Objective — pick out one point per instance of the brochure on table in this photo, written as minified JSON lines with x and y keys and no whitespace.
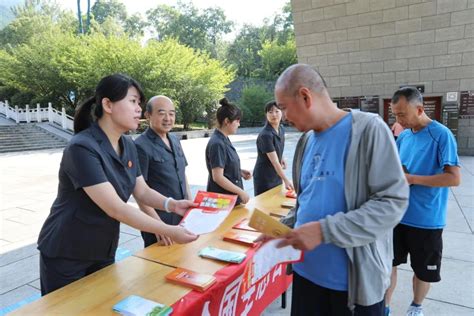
{"x":211,"y":211}
{"x":135,"y":305}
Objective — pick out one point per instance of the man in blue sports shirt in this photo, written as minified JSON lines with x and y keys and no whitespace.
{"x":428,"y":153}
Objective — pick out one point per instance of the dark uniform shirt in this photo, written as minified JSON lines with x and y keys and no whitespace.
{"x":76,"y":227}
{"x":163,"y":168}
{"x":265,"y":176}
{"x":221,"y":154}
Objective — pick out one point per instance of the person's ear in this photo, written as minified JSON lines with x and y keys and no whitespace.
{"x":419,"y":110}
{"x":147,"y":115}
{"x":107,"y":105}
{"x":306,"y":96}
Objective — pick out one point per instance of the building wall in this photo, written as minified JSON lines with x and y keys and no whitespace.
{"x":371,"y":47}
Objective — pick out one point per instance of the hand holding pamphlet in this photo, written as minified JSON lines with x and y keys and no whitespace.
{"x":212,"y":210}
{"x":268,"y":225}
{"x":269,"y":255}
{"x":135,"y":305}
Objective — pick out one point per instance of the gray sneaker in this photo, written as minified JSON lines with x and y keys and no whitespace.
{"x":415,"y":311}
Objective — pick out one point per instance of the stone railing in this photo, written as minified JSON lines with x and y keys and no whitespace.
{"x":38,"y":114}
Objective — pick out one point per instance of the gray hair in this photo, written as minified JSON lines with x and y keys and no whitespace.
{"x":411,"y":94}
{"x":149,"y":104}
{"x":300,"y":75}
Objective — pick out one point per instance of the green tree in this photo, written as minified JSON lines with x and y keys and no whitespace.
{"x":102,"y":9}
{"x":184,"y":22}
{"x":193,"y":80}
{"x":34,"y":17}
{"x":247,"y":51}
{"x":243,"y":52}
{"x":253,"y":100}
{"x":135,"y":25}
{"x":276,"y":58}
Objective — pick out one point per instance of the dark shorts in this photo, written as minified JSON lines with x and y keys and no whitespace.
{"x":311,"y":299}
{"x":425,"y":247}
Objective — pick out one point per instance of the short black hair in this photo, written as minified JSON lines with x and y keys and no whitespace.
{"x":269,"y":106}
{"x":411,"y":94}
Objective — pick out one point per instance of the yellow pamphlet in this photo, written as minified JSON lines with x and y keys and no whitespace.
{"x":268,"y":225}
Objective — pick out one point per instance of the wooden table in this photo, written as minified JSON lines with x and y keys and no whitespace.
{"x":186,"y":256}
{"x":143,"y":273}
{"x":98,"y":292}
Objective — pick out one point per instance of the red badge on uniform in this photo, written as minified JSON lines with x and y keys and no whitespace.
{"x":130,"y":164}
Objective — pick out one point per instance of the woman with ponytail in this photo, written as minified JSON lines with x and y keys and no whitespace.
{"x":98,"y":174}
{"x":222,"y":160}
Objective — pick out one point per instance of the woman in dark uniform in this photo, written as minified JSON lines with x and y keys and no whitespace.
{"x":269,"y":168}
{"x":222,"y":160}
{"x":98,"y":173}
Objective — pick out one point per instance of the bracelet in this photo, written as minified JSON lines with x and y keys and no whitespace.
{"x":167,"y":201}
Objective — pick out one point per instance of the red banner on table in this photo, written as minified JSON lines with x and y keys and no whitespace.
{"x":234,"y":293}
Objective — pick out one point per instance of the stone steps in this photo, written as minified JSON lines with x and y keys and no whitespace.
{"x":26,"y":137}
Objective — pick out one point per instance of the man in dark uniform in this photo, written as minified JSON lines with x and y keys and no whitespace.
{"x":162,"y":162}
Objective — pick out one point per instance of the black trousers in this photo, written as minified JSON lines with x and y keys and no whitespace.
{"x":309,"y":299}
{"x":58,"y":272}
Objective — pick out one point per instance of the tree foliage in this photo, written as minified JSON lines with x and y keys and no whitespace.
{"x":276,"y":57}
{"x":102,"y":9}
{"x":252,"y":102}
{"x":251,"y":51}
{"x":43,"y":58}
{"x":191,"y":27}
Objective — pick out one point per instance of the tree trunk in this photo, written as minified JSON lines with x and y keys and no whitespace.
{"x":79,"y":16}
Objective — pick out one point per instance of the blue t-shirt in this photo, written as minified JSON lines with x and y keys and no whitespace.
{"x":425,"y":153}
{"x":322,"y":194}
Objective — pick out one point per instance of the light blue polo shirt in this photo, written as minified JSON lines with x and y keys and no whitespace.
{"x":426,"y":152}
{"x":322,"y":194}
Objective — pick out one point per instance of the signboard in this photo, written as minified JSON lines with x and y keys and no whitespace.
{"x":451,"y":97}
{"x":466,"y":106}
{"x":370,"y":104}
{"x":348,"y":103}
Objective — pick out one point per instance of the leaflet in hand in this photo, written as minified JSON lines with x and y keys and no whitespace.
{"x":212,"y":210}
{"x":222,"y":255}
{"x":268,"y":225}
{"x":212,"y":201}
{"x":269,"y":255}
{"x":135,"y":305}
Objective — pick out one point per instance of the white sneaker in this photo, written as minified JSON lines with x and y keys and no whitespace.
{"x":415,"y":311}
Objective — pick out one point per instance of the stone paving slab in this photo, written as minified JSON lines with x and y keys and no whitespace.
{"x":19,"y":273}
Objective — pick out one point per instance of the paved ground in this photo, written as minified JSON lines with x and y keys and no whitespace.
{"x":28,"y":186}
